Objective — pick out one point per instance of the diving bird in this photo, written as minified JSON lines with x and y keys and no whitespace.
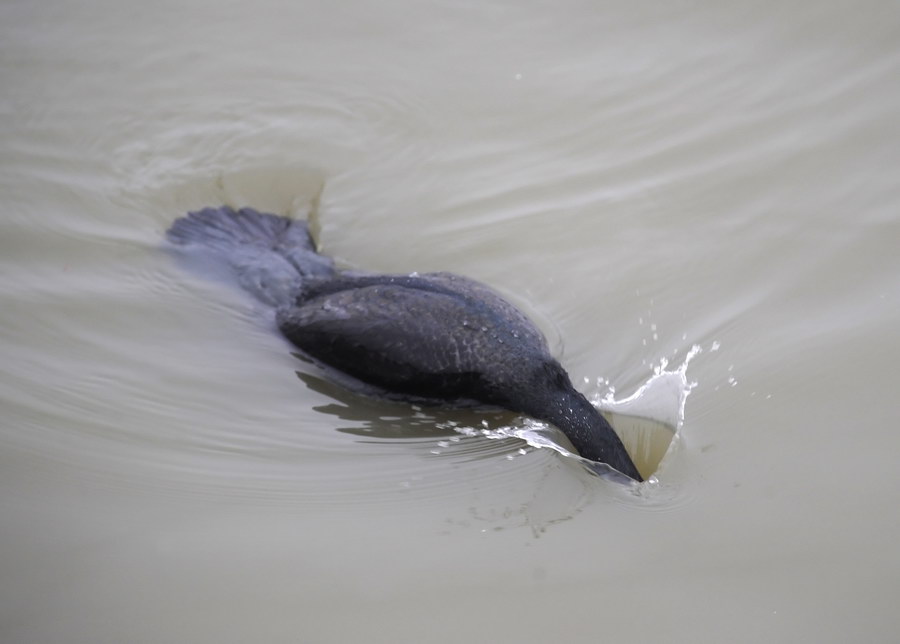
{"x":435,"y":338}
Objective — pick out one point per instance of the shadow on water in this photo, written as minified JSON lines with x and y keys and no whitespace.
{"x":387,"y":420}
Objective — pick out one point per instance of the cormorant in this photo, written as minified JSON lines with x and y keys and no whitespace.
{"x":435,"y":337}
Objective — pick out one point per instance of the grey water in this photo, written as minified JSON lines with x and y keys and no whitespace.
{"x":640,"y":178}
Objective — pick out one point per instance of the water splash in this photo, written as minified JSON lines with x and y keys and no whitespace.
{"x":648,"y":421}
{"x":661,"y":398}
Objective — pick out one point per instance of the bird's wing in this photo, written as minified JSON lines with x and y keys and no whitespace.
{"x":410,"y":340}
{"x":478,"y":298}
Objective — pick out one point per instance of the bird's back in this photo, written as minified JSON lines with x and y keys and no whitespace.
{"x":434,"y":336}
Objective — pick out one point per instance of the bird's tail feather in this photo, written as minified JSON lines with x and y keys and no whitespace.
{"x":269,"y":255}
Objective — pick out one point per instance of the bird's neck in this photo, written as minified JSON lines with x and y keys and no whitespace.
{"x":589,"y":432}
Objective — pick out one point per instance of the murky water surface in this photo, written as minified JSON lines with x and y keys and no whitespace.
{"x":640,"y":178}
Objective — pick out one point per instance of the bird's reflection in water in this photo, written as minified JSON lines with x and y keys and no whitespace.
{"x":382,"y":420}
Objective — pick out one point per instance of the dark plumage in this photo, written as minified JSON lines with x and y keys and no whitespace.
{"x":436,"y":337}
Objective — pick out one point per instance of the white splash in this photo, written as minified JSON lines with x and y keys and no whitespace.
{"x":661,"y":398}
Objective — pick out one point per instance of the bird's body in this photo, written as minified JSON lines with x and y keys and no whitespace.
{"x":435,"y":337}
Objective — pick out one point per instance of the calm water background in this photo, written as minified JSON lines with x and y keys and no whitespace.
{"x":639,"y":177}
